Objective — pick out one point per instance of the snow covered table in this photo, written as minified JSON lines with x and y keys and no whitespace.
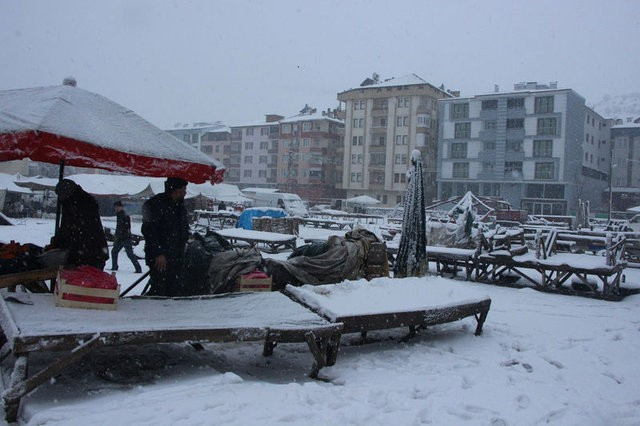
{"x":31,"y":323}
{"x":273,"y":240}
{"x":384,"y":303}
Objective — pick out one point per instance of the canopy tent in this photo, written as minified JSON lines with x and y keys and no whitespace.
{"x":69,"y":125}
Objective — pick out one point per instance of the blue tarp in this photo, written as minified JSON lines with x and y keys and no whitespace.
{"x":245,"y":219}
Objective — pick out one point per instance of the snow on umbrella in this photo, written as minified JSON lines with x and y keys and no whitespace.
{"x":412,"y":254}
{"x":71,"y":126}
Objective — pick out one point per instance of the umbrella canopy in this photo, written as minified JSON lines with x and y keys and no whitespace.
{"x":66,"y":123}
{"x":412,"y":255}
{"x":362,"y":199}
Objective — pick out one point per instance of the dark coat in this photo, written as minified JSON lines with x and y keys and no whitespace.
{"x":81,"y":231}
{"x":123,"y":226}
{"x":165,"y":228}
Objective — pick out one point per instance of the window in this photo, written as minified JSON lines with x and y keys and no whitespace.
{"x":263,"y":159}
{"x":513,"y":103}
{"x":487,"y":167}
{"x":264,"y":145}
{"x":424,"y":121}
{"x":356,"y":177}
{"x":381,"y":104}
{"x":248,"y":159}
{"x":489,"y":145}
{"x":264,"y":131}
{"x":534,"y":191}
{"x":460,"y":170}
{"x":286,"y":128}
{"x":306,"y":126}
{"x":403,"y":102}
{"x":460,"y":111}
{"x":377,"y":158}
{"x":249,"y":131}
{"x":544,"y":171}
{"x":490,"y":124}
{"x":513,"y":168}
{"x":514,"y":146}
{"x":402,"y":121}
{"x":262,"y":173}
{"x":399,"y":177}
{"x":544,"y":104}
{"x":490,"y":104}
{"x":546,"y":126}
{"x":462,"y":130}
{"x":401,"y":139}
{"x":207,"y":149}
{"x":358,"y":122}
{"x":247,"y":173}
{"x":306,"y":142}
{"x":357,"y":140}
{"x":543,"y":148}
{"x":248,"y":145}
{"x":459,"y":150}
{"x":401,"y":159}
{"x":515,"y":123}
{"x":381,"y":141}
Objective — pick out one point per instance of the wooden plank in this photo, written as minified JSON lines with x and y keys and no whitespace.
{"x":8,"y":280}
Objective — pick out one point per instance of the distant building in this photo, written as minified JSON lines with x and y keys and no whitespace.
{"x":384,"y":122}
{"x":625,"y":179}
{"x":538,"y":147}
{"x":310,"y":155}
{"x":213,"y":139}
{"x":256,"y":148}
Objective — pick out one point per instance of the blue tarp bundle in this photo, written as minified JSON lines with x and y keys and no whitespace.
{"x":245,"y":219}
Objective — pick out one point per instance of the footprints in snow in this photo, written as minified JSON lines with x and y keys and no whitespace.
{"x":513,"y":362}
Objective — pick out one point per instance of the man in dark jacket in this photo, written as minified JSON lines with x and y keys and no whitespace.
{"x":123,"y":239}
{"x":81,"y":231}
{"x":165,"y":229}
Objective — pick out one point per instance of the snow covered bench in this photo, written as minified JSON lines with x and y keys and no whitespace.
{"x":32,"y":323}
{"x":384,"y":303}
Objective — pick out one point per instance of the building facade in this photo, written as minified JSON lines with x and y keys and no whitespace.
{"x":384,"y":122}
{"x":625,"y":164}
{"x":538,"y":147}
{"x":310,"y":155}
{"x":257,"y":145}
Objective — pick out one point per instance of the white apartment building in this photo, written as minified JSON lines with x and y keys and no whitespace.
{"x":538,"y":147}
{"x":384,"y":122}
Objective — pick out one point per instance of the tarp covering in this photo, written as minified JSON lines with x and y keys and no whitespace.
{"x":363,"y":199}
{"x":245,"y":220}
{"x":84,"y":129}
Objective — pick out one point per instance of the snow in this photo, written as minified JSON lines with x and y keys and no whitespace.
{"x":542,"y":359}
{"x":381,"y":295}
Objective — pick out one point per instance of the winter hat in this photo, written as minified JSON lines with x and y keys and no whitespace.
{"x":174,"y":183}
{"x":117,"y":203}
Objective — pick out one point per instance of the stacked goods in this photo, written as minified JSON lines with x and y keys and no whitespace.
{"x":280,"y":225}
{"x":86,"y":287}
{"x":376,"y":264}
{"x":16,"y":257}
{"x":255,"y":280}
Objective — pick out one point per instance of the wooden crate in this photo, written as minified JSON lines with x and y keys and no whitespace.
{"x":63,"y":288}
{"x":253,"y":284}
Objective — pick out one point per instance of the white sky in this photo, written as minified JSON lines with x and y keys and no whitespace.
{"x":187,"y":61}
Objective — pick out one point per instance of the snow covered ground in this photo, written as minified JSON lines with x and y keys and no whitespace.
{"x":542,"y":359}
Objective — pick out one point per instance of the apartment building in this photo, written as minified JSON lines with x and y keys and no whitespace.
{"x":310,"y":155}
{"x":625,"y":164}
{"x":257,"y":145}
{"x":214,"y":139}
{"x":384,"y":122}
{"x":538,"y":147}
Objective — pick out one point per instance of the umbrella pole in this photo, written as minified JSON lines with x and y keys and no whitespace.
{"x":58,"y":205}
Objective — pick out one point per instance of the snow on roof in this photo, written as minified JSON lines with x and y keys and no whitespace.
{"x":7,"y":182}
{"x":309,"y":117}
{"x":260,"y":190}
{"x":405,"y":80}
{"x":628,"y":125}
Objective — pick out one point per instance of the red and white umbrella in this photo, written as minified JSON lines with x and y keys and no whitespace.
{"x":71,"y":126}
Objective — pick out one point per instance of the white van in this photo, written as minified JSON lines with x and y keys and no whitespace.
{"x":291,"y":203}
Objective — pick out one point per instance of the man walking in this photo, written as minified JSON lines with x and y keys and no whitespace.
{"x":123,"y":239}
{"x":166,"y":229}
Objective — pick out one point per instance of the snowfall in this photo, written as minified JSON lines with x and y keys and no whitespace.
{"x":542,"y":359}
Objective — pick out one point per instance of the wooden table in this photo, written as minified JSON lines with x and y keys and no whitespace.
{"x":31,"y":323}
{"x":272,"y":240}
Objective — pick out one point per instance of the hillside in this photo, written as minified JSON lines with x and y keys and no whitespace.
{"x":619,"y":106}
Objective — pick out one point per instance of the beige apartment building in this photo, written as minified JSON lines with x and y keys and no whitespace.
{"x":384,"y":122}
